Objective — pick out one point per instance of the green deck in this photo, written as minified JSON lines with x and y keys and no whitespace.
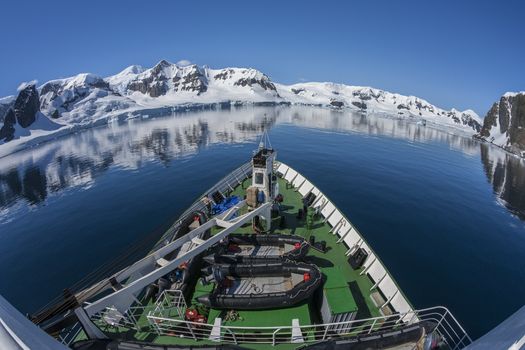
{"x":336,"y":291}
{"x":349,"y":290}
{"x":267,"y":318}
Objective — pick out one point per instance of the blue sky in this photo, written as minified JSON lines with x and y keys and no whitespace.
{"x":461,"y":54}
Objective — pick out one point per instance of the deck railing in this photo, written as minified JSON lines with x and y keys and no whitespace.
{"x":70,"y":334}
{"x":440,"y":318}
{"x":112,"y":317}
{"x":445,"y":324}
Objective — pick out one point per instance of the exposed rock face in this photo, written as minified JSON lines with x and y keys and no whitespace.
{"x":466,"y":119}
{"x":7,"y":131}
{"x":23,"y":112}
{"x":246,"y":78}
{"x":361,"y":105}
{"x":490,"y":121}
{"x":26,"y":106}
{"x":336,"y":103}
{"x":264,"y":82}
{"x":194,"y":80}
{"x":504,"y":124}
{"x":165,"y":76}
{"x":154,"y":83}
{"x":298,"y":91}
{"x":365,"y":95}
{"x":5,"y":105}
{"x":224,"y":74}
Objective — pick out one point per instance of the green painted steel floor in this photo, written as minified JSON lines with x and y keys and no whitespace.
{"x":360,"y":286}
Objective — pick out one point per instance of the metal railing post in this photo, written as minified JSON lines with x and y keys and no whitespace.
{"x":460,"y":342}
{"x":273,"y":336}
{"x":325,"y":332}
{"x":233,"y":335}
{"x":372,"y":326}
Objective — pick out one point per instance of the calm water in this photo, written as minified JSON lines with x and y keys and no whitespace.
{"x":442,"y":211}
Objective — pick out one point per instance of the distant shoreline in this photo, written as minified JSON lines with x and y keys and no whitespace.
{"x":26,"y":142}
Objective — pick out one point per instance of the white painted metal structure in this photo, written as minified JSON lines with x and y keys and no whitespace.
{"x":19,"y":333}
{"x":446,"y":325}
{"x":508,"y":335}
{"x":261,"y":178}
{"x":147,"y":270}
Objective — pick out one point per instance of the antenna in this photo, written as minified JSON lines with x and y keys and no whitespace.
{"x":265,"y":140}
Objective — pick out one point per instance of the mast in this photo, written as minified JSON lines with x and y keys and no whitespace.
{"x":263,"y":179}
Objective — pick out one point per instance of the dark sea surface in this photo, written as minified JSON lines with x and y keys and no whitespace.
{"x":442,"y":211}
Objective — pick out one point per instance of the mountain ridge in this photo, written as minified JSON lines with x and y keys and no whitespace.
{"x":86,"y":97}
{"x":504,"y":123}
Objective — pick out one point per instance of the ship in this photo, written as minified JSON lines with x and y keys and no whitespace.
{"x":263,"y":259}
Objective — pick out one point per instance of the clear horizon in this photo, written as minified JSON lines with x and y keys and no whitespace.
{"x":454,"y":55}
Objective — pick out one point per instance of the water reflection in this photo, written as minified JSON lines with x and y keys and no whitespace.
{"x":379,"y":125}
{"x":31,"y":184}
{"x":506,"y":173}
{"x":76,"y":160}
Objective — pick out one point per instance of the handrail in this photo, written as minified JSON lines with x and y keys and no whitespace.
{"x":446,"y":325}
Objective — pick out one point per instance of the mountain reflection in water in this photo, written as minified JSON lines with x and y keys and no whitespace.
{"x":76,"y":160}
{"x":506,"y":173}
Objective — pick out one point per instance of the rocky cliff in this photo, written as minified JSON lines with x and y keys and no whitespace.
{"x":22,"y":113}
{"x":504,"y":124}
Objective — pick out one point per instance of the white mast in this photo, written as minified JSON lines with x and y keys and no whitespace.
{"x":262,"y":175}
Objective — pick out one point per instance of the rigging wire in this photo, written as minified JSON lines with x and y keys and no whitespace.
{"x":105,"y":270}
{"x":265,"y":140}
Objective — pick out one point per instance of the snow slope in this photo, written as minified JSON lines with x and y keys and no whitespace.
{"x":87,"y":99}
{"x":375,"y":100}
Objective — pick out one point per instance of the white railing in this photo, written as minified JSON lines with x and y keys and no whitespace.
{"x":170,"y":302}
{"x":438,"y":318}
{"x":69,"y":335}
{"x":112,"y":317}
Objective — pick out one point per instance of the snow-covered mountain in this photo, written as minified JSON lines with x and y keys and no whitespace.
{"x":23,"y":115}
{"x":5,"y":104}
{"x":87,"y":98}
{"x":376,"y":100}
{"x":504,"y":124}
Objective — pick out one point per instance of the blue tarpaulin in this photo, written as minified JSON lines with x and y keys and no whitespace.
{"x":226,"y":204}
